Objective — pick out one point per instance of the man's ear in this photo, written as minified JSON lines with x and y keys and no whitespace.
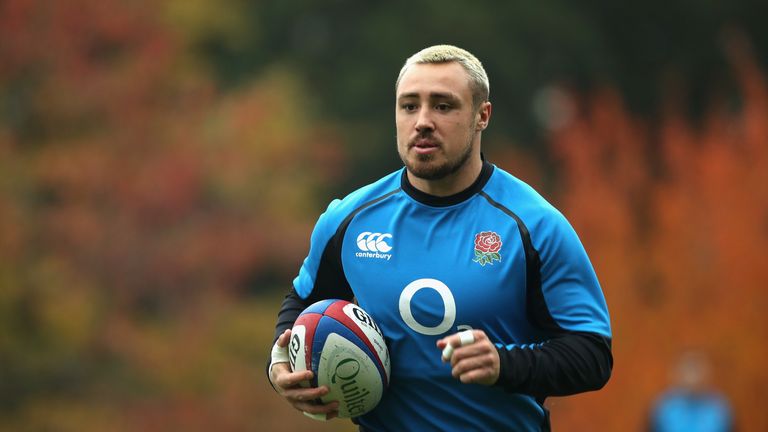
{"x":483,"y":115}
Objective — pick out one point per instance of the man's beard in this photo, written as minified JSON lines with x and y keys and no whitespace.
{"x":426,"y":171}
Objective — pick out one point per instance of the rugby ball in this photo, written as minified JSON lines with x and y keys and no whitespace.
{"x":345,"y":349}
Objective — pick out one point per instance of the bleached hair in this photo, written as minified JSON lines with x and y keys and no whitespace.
{"x":478,"y":79}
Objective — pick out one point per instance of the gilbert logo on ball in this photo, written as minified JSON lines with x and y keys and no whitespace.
{"x":344,"y":347}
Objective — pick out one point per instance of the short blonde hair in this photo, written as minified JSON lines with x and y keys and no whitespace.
{"x":478,"y":79}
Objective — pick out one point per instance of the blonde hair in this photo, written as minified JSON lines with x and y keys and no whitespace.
{"x":478,"y":79}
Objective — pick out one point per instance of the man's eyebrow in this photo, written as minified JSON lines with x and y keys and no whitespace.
{"x":440,"y":95}
{"x":433,"y":95}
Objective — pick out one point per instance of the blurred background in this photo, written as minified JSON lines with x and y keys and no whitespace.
{"x":162,"y":165}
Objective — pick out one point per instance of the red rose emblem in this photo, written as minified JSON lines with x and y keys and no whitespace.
{"x":487,"y":242}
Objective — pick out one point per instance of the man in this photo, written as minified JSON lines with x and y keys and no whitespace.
{"x":693,"y":404}
{"x":459,"y":244}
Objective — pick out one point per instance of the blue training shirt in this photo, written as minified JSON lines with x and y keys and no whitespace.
{"x":681,"y":411}
{"x":496,"y":257}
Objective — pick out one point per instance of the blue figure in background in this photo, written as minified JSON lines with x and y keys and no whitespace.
{"x":692,"y":405}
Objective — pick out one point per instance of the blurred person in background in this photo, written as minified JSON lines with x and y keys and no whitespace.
{"x":452,"y":242}
{"x":692,"y":404}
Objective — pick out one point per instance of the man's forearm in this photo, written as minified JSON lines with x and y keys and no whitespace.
{"x":565,"y":365}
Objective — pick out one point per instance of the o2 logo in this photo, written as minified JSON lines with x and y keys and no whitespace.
{"x":449,"y":303}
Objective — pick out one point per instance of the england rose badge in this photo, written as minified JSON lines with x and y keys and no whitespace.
{"x":487,"y":246}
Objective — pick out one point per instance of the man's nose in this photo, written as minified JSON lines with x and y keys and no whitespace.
{"x":424,"y":121}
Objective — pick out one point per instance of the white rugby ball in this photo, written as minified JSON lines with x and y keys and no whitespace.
{"x":345,"y":349}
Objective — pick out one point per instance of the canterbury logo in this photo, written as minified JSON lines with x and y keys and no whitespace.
{"x":373,"y":242}
{"x":374,"y":245}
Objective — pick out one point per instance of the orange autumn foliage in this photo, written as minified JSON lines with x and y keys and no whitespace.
{"x":675,"y":218}
{"x":142,"y":208}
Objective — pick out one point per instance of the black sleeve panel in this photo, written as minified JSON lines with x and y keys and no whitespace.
{"x":330,"y":281}
{"x":567,"y":364}
{"x":289,"y":311}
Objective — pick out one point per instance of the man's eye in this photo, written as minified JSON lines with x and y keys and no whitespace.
{"x":408,"y":107}
{"x":443,"y":107}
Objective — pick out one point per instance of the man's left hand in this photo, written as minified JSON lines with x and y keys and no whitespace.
{"x":476,"y":362}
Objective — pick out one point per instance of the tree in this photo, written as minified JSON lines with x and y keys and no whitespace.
{"x":137,"y":198}
{"x":674,"y":218}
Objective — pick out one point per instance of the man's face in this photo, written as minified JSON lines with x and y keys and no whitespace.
{"x":437,"y":123}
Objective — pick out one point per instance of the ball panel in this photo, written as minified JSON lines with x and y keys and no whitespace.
{"x":319,"y":307}
{"x":329,"y":326}
{"x":309,"y":322}
{"x":351,"y":375}
{"x":343,"y":313}
{"x":357,"y":320}
{"x":297,"y":348}
{"x":373,"y":335}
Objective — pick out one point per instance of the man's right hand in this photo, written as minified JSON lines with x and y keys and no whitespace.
{"x":288,"y":385}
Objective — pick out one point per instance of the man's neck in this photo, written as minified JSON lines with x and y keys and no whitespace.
{"x":450,"y":184}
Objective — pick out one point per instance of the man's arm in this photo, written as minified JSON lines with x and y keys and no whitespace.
{"x":566,"y":303}
{"x":290,"y":309}
{"x":568,"y":364}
